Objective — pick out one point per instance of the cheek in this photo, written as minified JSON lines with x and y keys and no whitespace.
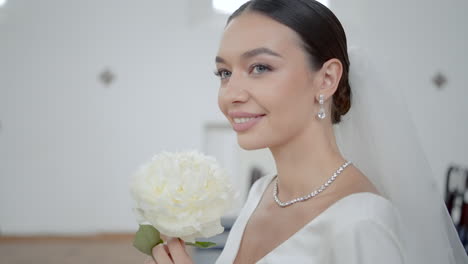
{"x":291,"y":112}
{"x":221,"y":102}
{"x":293,"y":95}
{"x":290,"y":119}
{"x":291,"y":103}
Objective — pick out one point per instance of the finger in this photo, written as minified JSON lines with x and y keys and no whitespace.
{"x":149,"y":260}
{"x":182,"y":244}
{"x":160,"y":255}
{"x":164,"y":237}
{"x":178,"y":253}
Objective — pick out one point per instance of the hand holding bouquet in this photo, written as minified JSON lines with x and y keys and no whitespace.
{"x":182,"y":195}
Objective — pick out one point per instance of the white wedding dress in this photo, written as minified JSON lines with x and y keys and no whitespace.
{"x":361,"y":228}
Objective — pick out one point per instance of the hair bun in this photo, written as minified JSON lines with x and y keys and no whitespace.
{"x":341,"y":100}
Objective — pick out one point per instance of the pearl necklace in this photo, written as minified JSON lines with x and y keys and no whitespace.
{"x":312,"y":194}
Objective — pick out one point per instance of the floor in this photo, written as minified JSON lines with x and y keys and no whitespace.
{"x":93,"y":249}
{"x":71,"y":250}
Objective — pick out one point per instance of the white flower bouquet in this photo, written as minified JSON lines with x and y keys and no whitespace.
{"x":181,"y":194}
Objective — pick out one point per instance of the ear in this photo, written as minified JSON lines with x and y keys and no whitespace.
{"x":331,"y":75}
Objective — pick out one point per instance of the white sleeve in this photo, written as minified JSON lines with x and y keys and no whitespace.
{"x":366,"y":242}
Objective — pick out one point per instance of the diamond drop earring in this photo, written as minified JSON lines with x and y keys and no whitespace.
{"x":321,"y":114}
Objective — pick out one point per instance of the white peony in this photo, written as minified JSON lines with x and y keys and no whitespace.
{"x":182,"y":194}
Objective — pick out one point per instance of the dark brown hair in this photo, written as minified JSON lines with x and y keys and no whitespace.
{"x":322,"y":35}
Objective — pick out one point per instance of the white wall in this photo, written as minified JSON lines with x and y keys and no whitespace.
{"x":68,"y":144}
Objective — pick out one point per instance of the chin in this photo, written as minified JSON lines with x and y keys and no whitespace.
{"x":248,"y":142}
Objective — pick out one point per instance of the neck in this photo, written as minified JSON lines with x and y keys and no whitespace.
{"x":306,"y":161}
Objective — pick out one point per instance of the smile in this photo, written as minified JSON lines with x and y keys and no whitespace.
{"x":243,"y":120}
{"x":244,"y":123}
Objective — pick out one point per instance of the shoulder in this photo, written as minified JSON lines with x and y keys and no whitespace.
{"x":362,"y":208}
{"x":355,"y":181}
{"x":369,"y":227}
{"x":360,"y":200}
{"x":367,"y":241}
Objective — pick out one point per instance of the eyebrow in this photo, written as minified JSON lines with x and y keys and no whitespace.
{"x":252,"y":53}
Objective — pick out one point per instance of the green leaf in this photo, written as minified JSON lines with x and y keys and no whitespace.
{"x":146,"y":238}
{"x":200,"y":244}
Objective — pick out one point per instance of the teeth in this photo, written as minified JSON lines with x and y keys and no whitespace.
{"x":242,"y":120}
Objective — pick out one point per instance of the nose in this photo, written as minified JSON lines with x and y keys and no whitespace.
{"x":235,"y":90}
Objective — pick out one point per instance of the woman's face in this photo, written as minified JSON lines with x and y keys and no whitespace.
{"x":264,"y":70}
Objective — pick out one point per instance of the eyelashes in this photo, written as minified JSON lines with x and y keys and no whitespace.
{"x":261,"y":68}
{"x":220,"y":73}
{"x":255,"y":69}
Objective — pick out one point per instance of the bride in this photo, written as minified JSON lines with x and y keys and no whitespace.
{"x":283,"y":67}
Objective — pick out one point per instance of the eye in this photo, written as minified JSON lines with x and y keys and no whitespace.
{"x":222,"y":73}
{"x":260,"y":68}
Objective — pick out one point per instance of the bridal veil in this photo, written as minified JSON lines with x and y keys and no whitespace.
{"x":379,"y":136}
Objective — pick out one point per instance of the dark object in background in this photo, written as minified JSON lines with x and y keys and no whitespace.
{"x":456,"y":200}
{"x":255,"y":174}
